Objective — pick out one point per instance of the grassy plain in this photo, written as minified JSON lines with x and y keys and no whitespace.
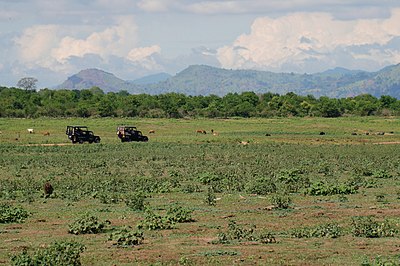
{"x":178,"y":166}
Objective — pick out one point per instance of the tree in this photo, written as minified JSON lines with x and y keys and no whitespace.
{"x":27,"y":83}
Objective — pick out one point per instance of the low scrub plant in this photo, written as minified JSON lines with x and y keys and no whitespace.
{"x":87,"y":224}
{"x":126,"y":237}
{"x":293,"y":180}
{"x":59,"y":253}
{"x":210,"y":199}
{"x":281,"y":201}
{"x":12,"y":214}
{"x":136,"y":201}
{"x":261,"y":186}
{"x":179,"y":214}
{"x":329,"y":230}
{"x":239,"y":233}
{"x":321,"y":188}
{"x":366,"y":226}
{"x":381,"y":173}
{"x":153,"y":221}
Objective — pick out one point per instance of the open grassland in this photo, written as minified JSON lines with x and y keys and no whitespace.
{"x":292,"y":198}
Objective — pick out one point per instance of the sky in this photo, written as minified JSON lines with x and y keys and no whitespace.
{"x":53,"y":40}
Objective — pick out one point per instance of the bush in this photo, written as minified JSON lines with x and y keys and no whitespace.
{"x":365,"y":226}
{"x":261,"y":186}
{"x":281,"y":201}
{"x":210,"y":199}
{"x":381,"y":174}
{"x":266,"y":237}
{"x":321,"y":188}
{"x":87,"y":224}
{"x":126,"y":237}
{"x":330,"y":230}
{"x":293,"y":180}
{"x":59,"y":253}
{"x":10,"y":214}
{"x":136,"y":201}
{"x":238,"y":233}
{"x":179,"y":214}
{"x":154,"y":221}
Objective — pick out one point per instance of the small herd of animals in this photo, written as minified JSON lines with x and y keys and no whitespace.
{"x":137,"y":135}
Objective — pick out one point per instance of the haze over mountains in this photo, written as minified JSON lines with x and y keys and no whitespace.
{"x":206,"y":80}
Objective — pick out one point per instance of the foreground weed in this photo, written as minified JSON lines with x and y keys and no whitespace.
{"x":321,"y":188}
{"x":366,"y":226}
{"x":178,"y":214}
{"x":239,"y":233}
{"x":136,"y":201}
{"x":153,"y":221}
{"x":11,"y":214}
{"x":330,"y":230}
{"x":126,"y":237}
{"x":281,"y":201}
{"x":382,"y":261}
{"x":210,"y":199}
{"x":87,"y":224}
{"x":59,"y":253}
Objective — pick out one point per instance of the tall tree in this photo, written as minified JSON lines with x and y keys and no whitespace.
{"x":27,"y":83}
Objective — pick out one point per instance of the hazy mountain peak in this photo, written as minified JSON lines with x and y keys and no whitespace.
{"x":206,"y":80}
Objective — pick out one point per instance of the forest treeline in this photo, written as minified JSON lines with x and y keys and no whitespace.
{"x":93,"y":102}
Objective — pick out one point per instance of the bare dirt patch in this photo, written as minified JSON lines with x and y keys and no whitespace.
{"x":387,"y":142}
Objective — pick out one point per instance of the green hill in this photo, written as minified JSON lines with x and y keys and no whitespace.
{"x":206,"y":80}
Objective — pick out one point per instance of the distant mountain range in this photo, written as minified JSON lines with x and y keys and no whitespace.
{"x":206,"y":80}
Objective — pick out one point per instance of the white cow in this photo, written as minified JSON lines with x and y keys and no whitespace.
{"x":31,"y":131}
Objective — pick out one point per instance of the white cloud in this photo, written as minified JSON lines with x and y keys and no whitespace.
{"x":295,"y":40}
{"x":142,"y":53}
{"x":54,"y":47}
{"x":117,"y":40}
{"x":155,"y":5}
{"x":35,"y":43}
{"x":145,"y":56}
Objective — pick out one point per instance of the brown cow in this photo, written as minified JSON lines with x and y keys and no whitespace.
{"x":152,"y":131}
{"x":201,"y":131}
{"x":46,"y":133}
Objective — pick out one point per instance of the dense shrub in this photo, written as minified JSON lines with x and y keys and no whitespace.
{"x":59,"y":253}
{"x":126,"y":237}
{"x":330,"y":230}
{"x":136,"y":201}
{"x":240,"y":233}
{"x":87,"y":224}
{"x":178,"y":214}
{"x":366,"y":226}
{"x":153,"y":221}
{"x":322,"y":188}
{"x":11,"y":214}
{"x":261,"y":186}
{"x":281,"y":201}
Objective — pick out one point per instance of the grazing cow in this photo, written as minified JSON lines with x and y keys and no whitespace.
{"x":31,"y":131}
{"x":152,"y":131}
{"x":322,"y":133}
{"x":244,"y":143}
{"x":201,"y":131}
{"x":268,"y":135}
{"x":354,"y":133}
{"x":381,"y":133}
{"x":46,"y":133}
{"x":48,"y":189}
